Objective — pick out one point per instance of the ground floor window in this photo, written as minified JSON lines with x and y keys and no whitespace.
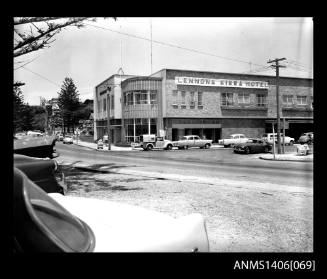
{"x":136,"y":127}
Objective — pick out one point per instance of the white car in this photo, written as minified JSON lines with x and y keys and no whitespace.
{"x":68,"y":140}
{"x":233,"y":140}
{"x":57,"y":223}
{"x":269,"y":137}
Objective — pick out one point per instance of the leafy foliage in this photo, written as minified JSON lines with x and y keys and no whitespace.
{"x":68,"y":102}
{"x":34,"y":33}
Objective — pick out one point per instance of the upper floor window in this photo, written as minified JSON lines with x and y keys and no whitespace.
{"x":301,"y":100}
{"x":192,"y":100}
{"x":141,"y":97}
{"x":112,"y":103}
{"x":183,"y":94}
{"x":153,"y":97}
{"x":104,"y":104}
{"x":243,"y":98}
{"x":227,"y":99}
{"x":261,"y":100}
{"x":200,"y":102}
{"x":288,"y":100}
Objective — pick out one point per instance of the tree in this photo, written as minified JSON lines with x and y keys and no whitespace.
{"x":18,"y":100}
{"x":68,"y":102}
{"x":34,"y":33}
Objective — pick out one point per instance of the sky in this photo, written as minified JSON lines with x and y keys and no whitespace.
{"x":234,"y":45}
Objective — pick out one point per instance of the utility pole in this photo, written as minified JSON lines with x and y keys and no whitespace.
{"x":108,"y":118}
{"x":277,"y":66}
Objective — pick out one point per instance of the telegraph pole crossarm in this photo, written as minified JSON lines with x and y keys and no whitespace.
{"x":277,"y":66}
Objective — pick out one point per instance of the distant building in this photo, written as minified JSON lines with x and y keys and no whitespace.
{"x":210,"y":104}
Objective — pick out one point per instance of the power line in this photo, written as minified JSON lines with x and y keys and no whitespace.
{"x":174,"y":46}
{"x":261,"y":69}
{"x":80,"y":93}
{"x":40,"y":76}
{"x":299,"y":68}
{"x":298,"y":64}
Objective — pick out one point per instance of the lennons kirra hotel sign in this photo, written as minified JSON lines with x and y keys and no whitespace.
{"x":221,"y":82}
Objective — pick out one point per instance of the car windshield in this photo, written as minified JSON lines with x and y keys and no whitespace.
{"x":231,"y":137}
{"x":184,"y":138}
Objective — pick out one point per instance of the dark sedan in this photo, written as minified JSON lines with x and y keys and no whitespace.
{"x":253,"y":146}
{"x":41,"y":147}
{"x":45,"y":173}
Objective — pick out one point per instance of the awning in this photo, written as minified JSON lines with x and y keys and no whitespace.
{"x":196,"y":126}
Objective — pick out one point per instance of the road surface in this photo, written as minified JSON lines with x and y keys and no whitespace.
{"x":250,"y":205}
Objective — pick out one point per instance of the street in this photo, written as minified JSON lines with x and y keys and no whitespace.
{"x":251,"y":205}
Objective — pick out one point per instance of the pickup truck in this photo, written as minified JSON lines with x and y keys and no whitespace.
{"x":149,"y":142}
{"x":192,"y":141}
{"x":270,"y":136}
{"x":233,"y":140}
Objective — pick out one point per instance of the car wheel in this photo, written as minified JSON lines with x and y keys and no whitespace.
{"x":169,"y":147}
{"x":180,"y":147}
{"x":225,"y":146}
{"x":149,"y":147}
{"x":247,"y":150}
{"x":207,"y":146}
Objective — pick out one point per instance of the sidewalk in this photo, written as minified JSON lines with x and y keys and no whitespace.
{"x":288,"y":157}
{"x":118,"y":148}
{"x":113,"y":147}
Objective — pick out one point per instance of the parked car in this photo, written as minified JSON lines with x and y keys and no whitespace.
{"x":56,"y":223}
{"x":42,"y":147}
{"x":253,"y":145}
{"x":192,"y":141}
{"x":233,"y":139}
{"x":20,"y":135}
{"x":35,"y":134}
{"x":100,"y":144}
{"x":46,"y":173}
{"x":60,"y":137}
{"x":269,"y":137}
{"x":149,"y":142}
{"x":306,"y":138}
{"x":68,"y":139}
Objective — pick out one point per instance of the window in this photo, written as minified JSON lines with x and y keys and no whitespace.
{"x":227,"y":99}
{"x":192,"y":101}
{"x":175,"y":99}
{"x":183,"y":94}
{"x":112,"y":103}
{"x":130,"y":98}
{"x":243,"y":98}
{"x":288,"y":100}
{"x":153,"y":97}
{"x":301,"y":100}
{"x":104,"y":104}
{"x":261,"y":100}
{"x":200,"y":99}
{"x":141,"y":97}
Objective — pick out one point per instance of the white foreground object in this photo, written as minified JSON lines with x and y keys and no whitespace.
{"x":120,"y":227}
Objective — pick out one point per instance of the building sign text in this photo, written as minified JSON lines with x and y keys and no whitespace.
{"x":221,"y":82}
